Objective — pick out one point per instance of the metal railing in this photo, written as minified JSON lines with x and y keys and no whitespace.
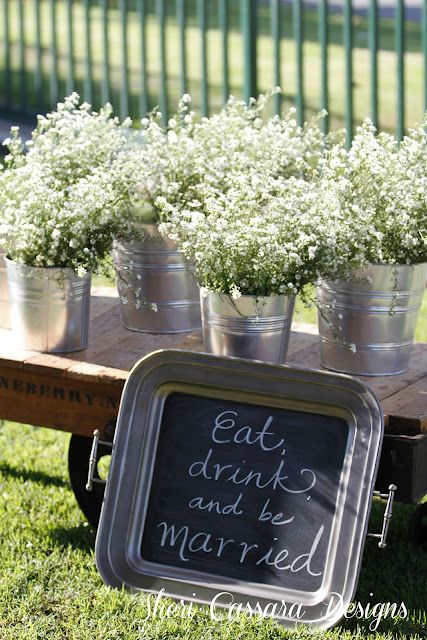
{"x":142,"y":53}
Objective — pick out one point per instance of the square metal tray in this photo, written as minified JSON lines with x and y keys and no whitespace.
{"x":169,"y":405}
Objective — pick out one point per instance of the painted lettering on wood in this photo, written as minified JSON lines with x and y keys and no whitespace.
{"x":59,"y":402}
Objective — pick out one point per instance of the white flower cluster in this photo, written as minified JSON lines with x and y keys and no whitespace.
{"x":61,"y":202}
{"x":160,"y":162}
{"x":179,"y":161}
{"x":266,"y":222}
{"x":261,"y":206}
{"x":263,"y":236}
{"x":381,"y":186}
{"x":238,"y":140}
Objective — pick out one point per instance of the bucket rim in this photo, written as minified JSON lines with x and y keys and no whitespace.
{"x":49,"y":271}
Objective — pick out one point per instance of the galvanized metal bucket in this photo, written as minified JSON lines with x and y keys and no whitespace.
{"x":367,"y":326}
{"x":157,"y":288}
{"x":249,"y":327}
{"x":49,"y":307}
{"x":4,"y":295}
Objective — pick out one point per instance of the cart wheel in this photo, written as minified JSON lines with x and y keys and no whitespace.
{"x":90,"y":502}
{"x":418,"y":526}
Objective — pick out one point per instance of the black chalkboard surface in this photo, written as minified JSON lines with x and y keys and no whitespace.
{"x":237,"y":483}
{"x":244,"y":491}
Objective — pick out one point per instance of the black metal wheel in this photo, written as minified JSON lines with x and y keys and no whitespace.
{"x":90,"y":502}
{"x":418,"y":526}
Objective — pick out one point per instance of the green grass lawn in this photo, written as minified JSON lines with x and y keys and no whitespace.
{"x":50,"y":587}
{"x":387,"y":88}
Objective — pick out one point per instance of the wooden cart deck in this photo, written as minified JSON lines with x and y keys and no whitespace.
{"x":81,"y":392}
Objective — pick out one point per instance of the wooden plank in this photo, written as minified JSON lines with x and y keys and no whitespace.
{"x":382,"y":386}
{"x":308,"y":357}
{"x":125,"y":350}
{"x":103,"y":299}
{"x":192,"y":342}
{"x":385,"y":386}
{"x":96,"y":373}
{"x":10,"y":353}
{"x":61,"y":403}
{"x":31,"y":383}
{"x":105,"y":330}
{"x":48,"y":363}
{"x":407,"y":409}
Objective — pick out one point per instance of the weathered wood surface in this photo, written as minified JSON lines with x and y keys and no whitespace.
{"x":81,"y":391}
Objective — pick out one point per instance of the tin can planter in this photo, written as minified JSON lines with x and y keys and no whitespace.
{"x":157,"y":288}
{"x":49,"y":307}
{"x":367,"y":325}
{"x":4,"y":295}
{"x":249,"y":327}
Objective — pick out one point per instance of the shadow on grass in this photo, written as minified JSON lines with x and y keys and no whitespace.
{"x":380,"y":620}
{"x":391,"y":576}
{"x":388,"y":577}
{"x":33,"y":476}
{"x":81,"y":536}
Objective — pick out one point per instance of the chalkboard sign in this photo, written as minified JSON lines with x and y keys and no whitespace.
{"x":230,"y":476}
{"x":245,"y":491}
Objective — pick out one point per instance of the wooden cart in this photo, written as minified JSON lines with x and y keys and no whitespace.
{"x":81,"y":392}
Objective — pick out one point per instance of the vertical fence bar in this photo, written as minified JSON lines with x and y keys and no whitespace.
{"x":54,"y":55}
{"x":400,"y":58}
{"x":38,"y":86}
{"x":201,"y":12}
{"x":276,"y":36}
{"x":87,"y":52}
{"x":143,"y":91}
{"x":348,"y":47}
{"x":70,"y":48}
{"x":22,"y":66}
{"x":161,"y":17}
{"x":6,"y":44}
{"x":224,"y":27}
{"x":373,"y":48}
{"x":181,"y":20}
{"x":323,"y":43}
{"x":248,"y":13}
{"x":298,"y":35}
{"x":124,"y":87}
{"x":105,"y":82}
{"x":424,"y":51}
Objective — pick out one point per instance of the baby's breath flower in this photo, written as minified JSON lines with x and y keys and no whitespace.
{"x":61,"y":204}
{"x":381,"y":188}
{"x":255,"y":237}
{"x":177,"y":162}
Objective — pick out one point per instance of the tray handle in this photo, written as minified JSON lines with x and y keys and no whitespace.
{"x":93,"y":460}
{"x":388,"y":514}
